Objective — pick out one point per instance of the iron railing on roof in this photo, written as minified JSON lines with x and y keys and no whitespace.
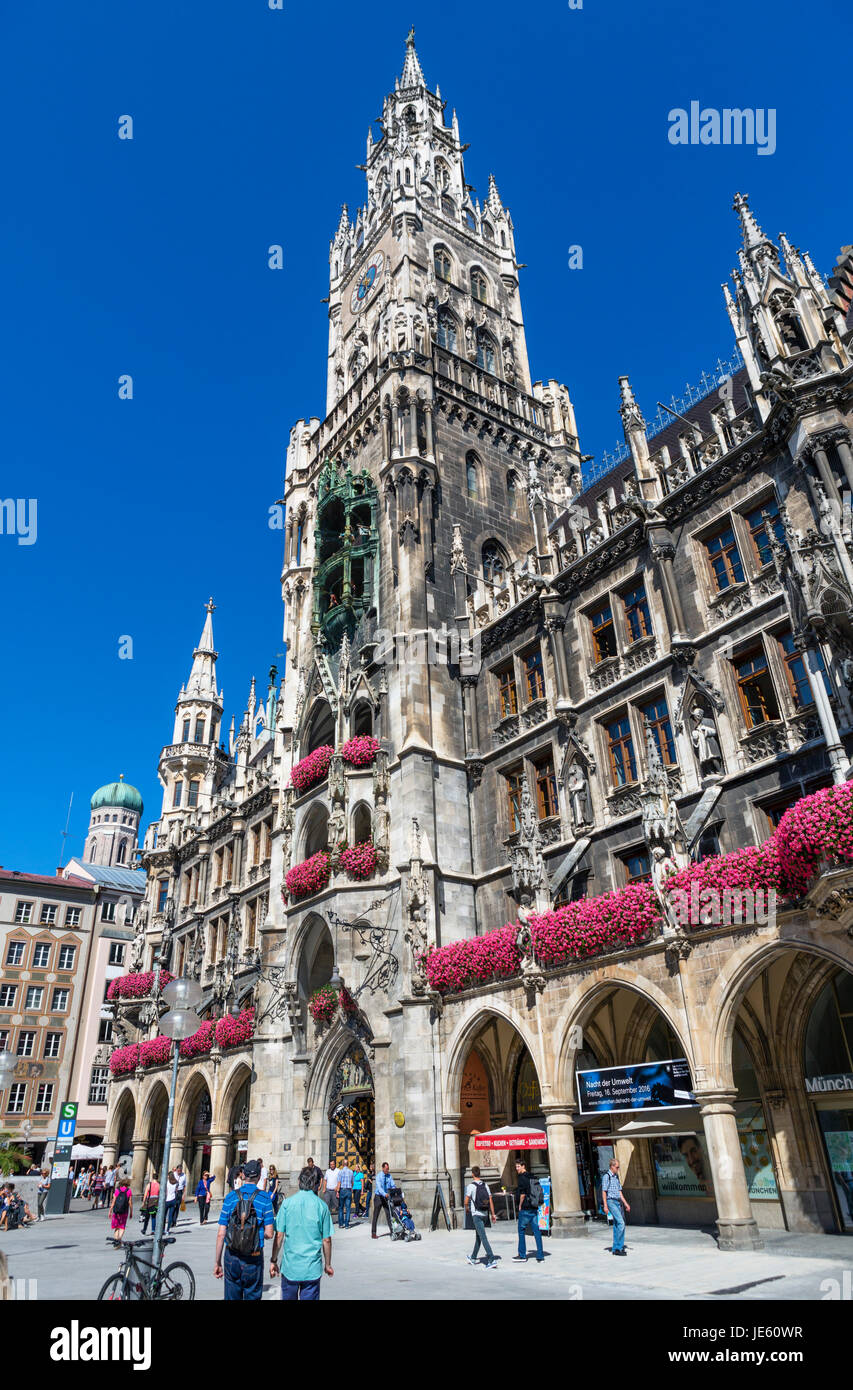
{"x":708,"y":382}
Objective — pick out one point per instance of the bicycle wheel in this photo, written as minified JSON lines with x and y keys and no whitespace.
{"x":177,"y":1284}
{"x":113,"y":1290}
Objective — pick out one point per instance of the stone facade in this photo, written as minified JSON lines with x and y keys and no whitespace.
{"x":528,"y":652}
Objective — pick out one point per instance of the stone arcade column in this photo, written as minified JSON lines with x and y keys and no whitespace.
{"x":219,"y":1165}
{"x":139,"y":1167}
{"x":110,"y":1154}
{"x":453,"y":1156}
{"x":567,"y":1218}
{"x":735,"y":1223}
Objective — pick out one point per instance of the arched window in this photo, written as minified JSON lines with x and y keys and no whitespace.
{"x":512,"y":492}
{"x":470,"y":220}
{"x":494,"y":563}
{"x":316,"y":831}
{"x":486,"y":358}
{"x":321,"y":729}
{"x":362,"y":720}
{"x":479,"y":286}
{"x":121,"y":849}
{"x":443,"y":264}
{"x":472,"y":475}
{"x":448,"y":207}
{"x":488,"y":232}
{"x":362,"y":824}
{"x":446,"y":336}
{"x":408,"y":174}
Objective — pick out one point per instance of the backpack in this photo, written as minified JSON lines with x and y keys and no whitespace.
{"x":242,"y":1235}
{"x":120,"y":1204}
{"x":13,"y":1214}
{"x":481,"y":1197}
{"x":536,"y":1196}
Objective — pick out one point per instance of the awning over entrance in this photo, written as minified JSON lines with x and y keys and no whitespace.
{"x":512,"y":1137}
{"x":85,"y":1151}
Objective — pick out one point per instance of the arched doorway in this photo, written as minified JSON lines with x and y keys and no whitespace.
{"x":497,"y":1085}
{"x":316,"y":957}
{"x":198,"y":1114}
{"x":125,"y":1123}
{"x":352,"y":1122}
{"x":157,"y":1110}
{"x":238,"y":1146}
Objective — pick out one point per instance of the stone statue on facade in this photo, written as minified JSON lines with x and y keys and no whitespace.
{"x":704,"y":738}
{"x":579,"y":798}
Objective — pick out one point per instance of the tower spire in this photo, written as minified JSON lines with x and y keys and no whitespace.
{"x":412,"y":72}
{"x":756,"y":246}
{"x":202,"y":681}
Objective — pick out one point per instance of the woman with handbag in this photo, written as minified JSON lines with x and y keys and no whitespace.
{"x":274,"y":1188}
{"x":202,"y":1196}
{"x":150,"y":1199}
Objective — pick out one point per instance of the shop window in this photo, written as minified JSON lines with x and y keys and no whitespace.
{"x":637,"y":618}
{"x":620,"y":748}
{"x":534,"y":676}
{"x":755,"y":687}
{"x":507,"y":694}
{"x":758,"y":529}
{"x":603,"y":633}
{"x":528,"y":1097}
{"x":829,"y":1034}
{"x":546,"y":789}
{"x":724,"y":559}
{"x":656,"y":716}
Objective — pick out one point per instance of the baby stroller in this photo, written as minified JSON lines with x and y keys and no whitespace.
{"x":402,"y":1225}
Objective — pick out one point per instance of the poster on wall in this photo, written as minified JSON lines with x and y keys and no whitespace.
{"x":755,"y":1151}
{"x":682,"y":1167}
{"x":839,"y":1147}
{"x":651,"y":1086}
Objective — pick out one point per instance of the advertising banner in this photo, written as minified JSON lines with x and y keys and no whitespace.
{"x":650,"y":1086}
{"x":61,"y":1162}
{"x":544,"y":1214}
{"x":755,"y":1150}
{"x":682,"y":1167}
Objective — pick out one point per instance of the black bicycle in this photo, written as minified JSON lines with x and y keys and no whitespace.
{"x":140,"y":1279}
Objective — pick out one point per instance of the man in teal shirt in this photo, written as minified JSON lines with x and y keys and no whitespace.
{"x":304,"y":1224}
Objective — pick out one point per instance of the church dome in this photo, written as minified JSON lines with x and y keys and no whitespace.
{"x":118,"y":793}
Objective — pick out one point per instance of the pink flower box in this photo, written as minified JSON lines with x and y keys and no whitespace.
{"x":155,"y":1052}
{"x":323,"y":1004}
{"x":309,"y":876}
{"x":359,"y":861}
{"x":136,"y":986}
{"x":312,"y":769}
{"x":360,"y":751}
{"x":231,"y":1032}
{"x":124,"y":1060}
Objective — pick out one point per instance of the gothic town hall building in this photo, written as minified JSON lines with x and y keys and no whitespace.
{"x":495,"y":662}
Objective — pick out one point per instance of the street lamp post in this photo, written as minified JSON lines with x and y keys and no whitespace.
{"x":180,"y":1022}
{"x":7,"y":1071}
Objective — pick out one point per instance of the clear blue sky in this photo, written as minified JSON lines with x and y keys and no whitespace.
{"x":149,"y":257}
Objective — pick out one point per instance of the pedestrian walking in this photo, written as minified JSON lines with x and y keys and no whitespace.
{"x":80,"y":1182}
{"x":172,"y":1200}
{"x":615,"y":1205}
{"x":316,"y":1175}
{"x":43,"y":1189}
{"x":97,"y":1189}
{"x":304,"y":1226}
{"x":329,"y":1190}
{"x":109,"y":1186}
{"x":345,"y":1191}
{"x":358,"y":1188}
{"x":274,"y":1188}
{"x":530,"y":1197}
{"x":384,"y":1183}
{"x":121,"y":1206}
{"x":233,"y":1174}
{"x":202,"y":1196}
{"x":150,"y":1201}
{"x":479,"y":1204}
{"x":367,"y":1188}
{"x":180,"y":1194}
{"x":264,"y":1178}
{"x":245,"y":1219}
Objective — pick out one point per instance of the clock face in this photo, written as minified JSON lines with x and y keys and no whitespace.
{"x":367,"y":282}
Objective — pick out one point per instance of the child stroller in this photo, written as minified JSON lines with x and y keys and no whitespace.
{"x":402,"y":1225}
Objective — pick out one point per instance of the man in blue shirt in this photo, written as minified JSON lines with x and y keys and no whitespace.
{"x":384,"y":1183}
{"x":304,"y":1224}
{"x":244,"y":1272}
{"x":613,"y":1199}
{"x":345,"y":1188}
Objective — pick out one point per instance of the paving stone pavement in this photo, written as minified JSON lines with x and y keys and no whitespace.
{"x":68,"y":1258}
